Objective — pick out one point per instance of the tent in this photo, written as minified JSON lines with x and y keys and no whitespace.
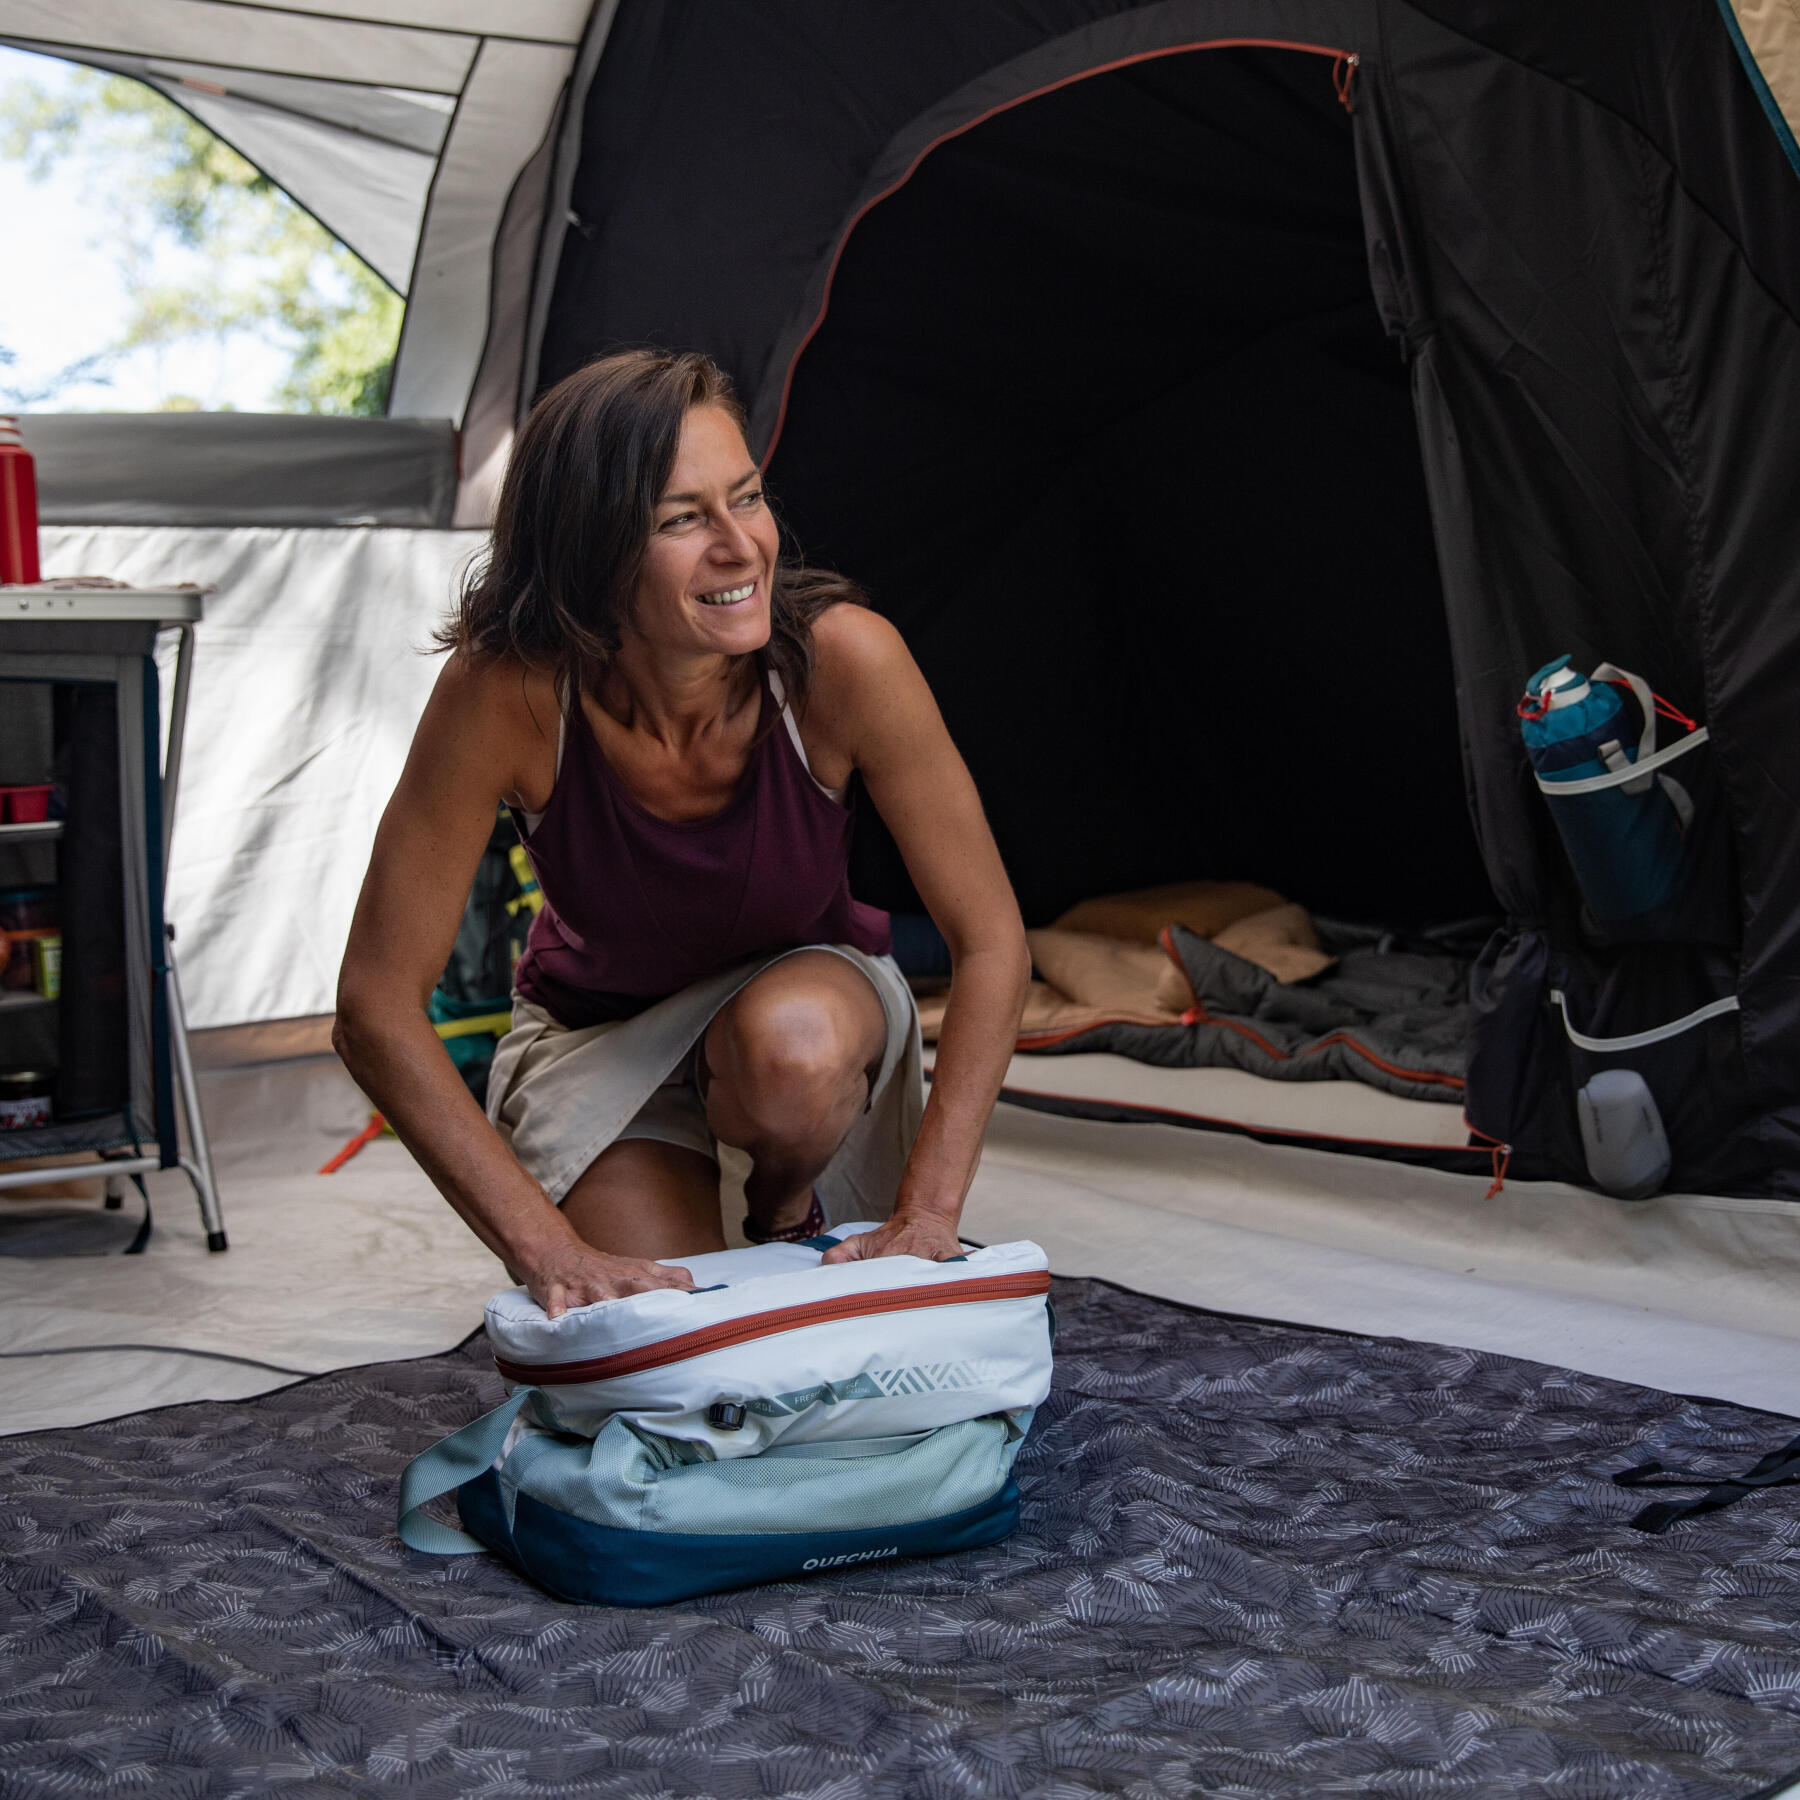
{"x":1235,"y":404}
{"x":1233,"y":399}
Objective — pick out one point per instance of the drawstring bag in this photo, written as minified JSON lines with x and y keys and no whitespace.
{"x":783,"y":1418}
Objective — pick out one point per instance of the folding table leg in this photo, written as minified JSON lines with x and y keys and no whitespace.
{"x":199,"y":1163}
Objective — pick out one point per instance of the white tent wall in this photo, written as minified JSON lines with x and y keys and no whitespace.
{"x":311,"y":670}
{"x":423,"y":132}
{"x":367,"y":192}
{"x":505,"y":108}
{"x":346,"y":110}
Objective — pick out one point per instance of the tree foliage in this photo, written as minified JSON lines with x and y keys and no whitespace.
{"x":255,"y":263}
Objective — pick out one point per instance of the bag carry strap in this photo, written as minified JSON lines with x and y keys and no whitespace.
{"x":1645,"y":768}
{"x":1641,"y":1040}
{"x":1646,"y":700}
{"x":1780,"y":1468}
{"x":445,"y":1467}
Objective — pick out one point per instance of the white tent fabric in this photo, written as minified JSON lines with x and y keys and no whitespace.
{"x":310,"y":671}
{"x":359,"y":159}
{"x":402,"y":125}
{"x":505,"y":107}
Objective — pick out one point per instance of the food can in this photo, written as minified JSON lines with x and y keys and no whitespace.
{"x":46,"y":964}
{"x":25,"y":1098}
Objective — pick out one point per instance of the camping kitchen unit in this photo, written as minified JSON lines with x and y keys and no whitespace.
{"x":81,"y":689}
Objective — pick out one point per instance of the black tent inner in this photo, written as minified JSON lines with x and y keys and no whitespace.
{"x":1102,"y":414}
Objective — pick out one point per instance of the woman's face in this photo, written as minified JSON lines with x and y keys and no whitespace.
{"x":703,"y":586}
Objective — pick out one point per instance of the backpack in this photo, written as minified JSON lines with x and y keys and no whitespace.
{"x":784,"y":1418}
{"x":471,"y":1006}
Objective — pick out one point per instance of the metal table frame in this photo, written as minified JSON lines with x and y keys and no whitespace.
{"x":177,"y":610}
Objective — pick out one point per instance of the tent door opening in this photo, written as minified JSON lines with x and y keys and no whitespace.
{"x":1102,"y":414}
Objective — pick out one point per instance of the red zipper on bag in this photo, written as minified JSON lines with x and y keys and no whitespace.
{"x":760,"y":1325}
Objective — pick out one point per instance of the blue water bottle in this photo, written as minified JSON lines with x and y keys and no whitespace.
{"x":1623,"y":831}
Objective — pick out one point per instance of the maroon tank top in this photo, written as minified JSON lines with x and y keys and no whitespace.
{"x":637,"y":908}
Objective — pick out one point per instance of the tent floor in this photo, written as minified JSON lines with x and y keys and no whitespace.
{"x":1685,"y":1293}
{"x":1253,"y":1561}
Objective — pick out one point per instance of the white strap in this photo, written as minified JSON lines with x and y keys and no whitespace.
{"x":1594,"y":784}
{"x":1646,"y":705}
{"x":1680,"y":799}
{"x":1638,"y":1040}
{"x":779,"y":690}
{"x":787,"y":718}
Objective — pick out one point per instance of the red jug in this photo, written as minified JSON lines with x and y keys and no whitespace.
{"x":18,"y":506}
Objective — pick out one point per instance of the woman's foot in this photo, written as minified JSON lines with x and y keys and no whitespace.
{"x":812,"y":1226}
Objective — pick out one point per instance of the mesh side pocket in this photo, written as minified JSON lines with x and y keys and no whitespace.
{"x":1672,"y":1019}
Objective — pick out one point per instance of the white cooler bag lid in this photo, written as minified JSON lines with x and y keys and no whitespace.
{"x":776,"y":1346}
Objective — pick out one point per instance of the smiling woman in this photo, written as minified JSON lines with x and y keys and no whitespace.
{"x":675,"y":714}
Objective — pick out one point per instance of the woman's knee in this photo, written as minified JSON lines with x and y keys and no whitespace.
{"x":786,"y":1062}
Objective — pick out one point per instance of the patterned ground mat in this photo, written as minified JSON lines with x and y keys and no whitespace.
{"x":1255,"y":1560}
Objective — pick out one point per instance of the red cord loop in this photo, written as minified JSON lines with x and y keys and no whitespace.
{"x":1343,"y":72}
{"x":1502,"y":1156}
{"x":1664,"y":709}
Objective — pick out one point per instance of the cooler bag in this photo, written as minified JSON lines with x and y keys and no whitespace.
{"x":782,"y":1418}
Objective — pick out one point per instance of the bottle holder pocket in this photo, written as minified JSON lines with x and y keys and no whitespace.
{"x":1649,"y":848}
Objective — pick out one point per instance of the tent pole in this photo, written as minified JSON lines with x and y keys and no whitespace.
{"x":178,"y":706}
{"x":198,"y":1164}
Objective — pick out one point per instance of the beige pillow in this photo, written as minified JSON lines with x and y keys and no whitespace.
{"x":1281,"y":940}
{"x":1101,"y":971}
{"x":1204,"y":907}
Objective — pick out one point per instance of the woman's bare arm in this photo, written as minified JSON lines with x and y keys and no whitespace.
{"x":873,"y":701}
{"x":473,"y":745}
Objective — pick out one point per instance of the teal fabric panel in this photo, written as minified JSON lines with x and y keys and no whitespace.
{"x":626,"y":1481}
{"x":596,"y":1565}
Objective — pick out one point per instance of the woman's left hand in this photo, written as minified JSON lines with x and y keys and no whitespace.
{"x":933,"y":1238}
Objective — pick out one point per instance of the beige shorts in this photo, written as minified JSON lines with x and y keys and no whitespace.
{"x":560,"y":1096}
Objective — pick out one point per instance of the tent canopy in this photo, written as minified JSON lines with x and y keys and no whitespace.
{"x":403,"y":126}
{"x":1063,"y":327}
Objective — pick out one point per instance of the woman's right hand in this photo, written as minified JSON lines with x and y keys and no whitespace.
{"x":574,"y":1274}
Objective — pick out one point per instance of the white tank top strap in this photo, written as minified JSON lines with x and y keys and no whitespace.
{"x":562,"y":737}
{"x":793,"y":730}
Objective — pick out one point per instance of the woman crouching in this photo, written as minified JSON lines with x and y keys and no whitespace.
{"x":673,"y":717}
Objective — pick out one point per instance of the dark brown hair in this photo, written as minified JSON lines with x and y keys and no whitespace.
{"x":574,"y":516}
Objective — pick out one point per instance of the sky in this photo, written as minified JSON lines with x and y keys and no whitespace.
{"x":63,"y":299}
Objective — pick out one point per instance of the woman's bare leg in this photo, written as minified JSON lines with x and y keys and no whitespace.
{"x":642,"y":1197}
{"x":790,"y":1061}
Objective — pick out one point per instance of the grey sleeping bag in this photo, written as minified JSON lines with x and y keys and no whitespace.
{"x":1394,"y":1015}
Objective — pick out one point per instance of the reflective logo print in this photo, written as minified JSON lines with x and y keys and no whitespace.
{"x":849,"y":1556}
{"x":930,"y":1379}
{"x":880,"y":1384}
